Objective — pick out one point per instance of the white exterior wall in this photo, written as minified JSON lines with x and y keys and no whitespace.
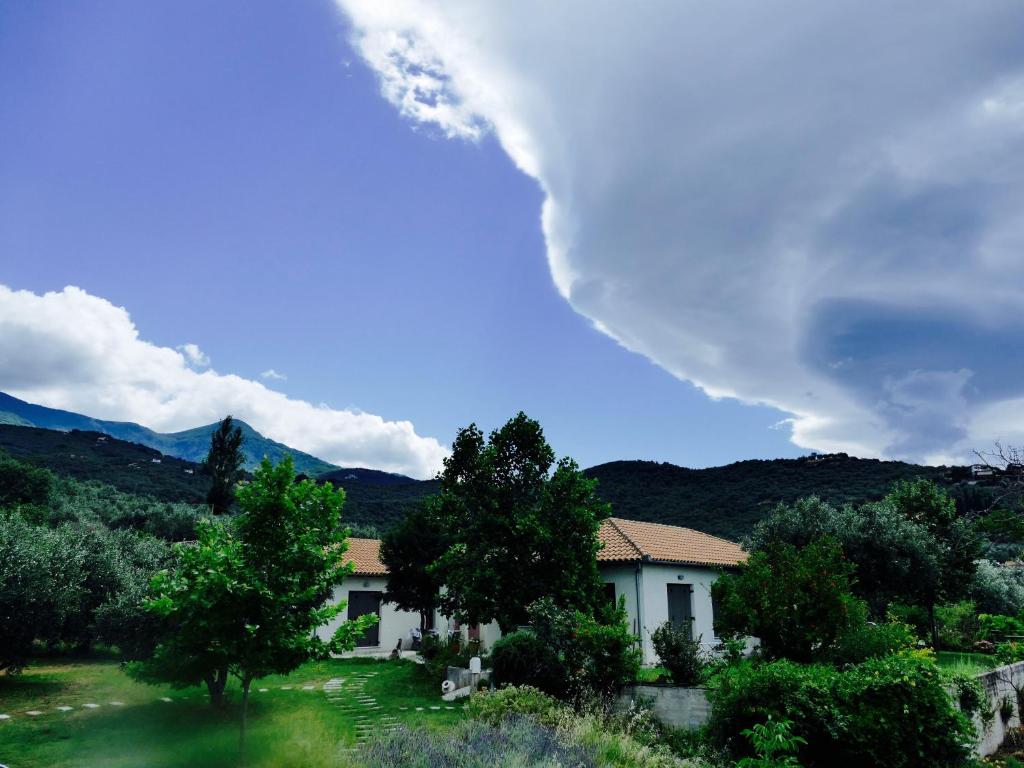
{"x":624,"y":577}
{"x":654,"y":581}
{"x":394,"y":624}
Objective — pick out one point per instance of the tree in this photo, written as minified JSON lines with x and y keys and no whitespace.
{"x":893,"y":555}
{"x":246,"y":599}
{"x":409,"y":551}
{"x":797,"y":601}
{"x":957,"y":545}
{"x":518,"y":531}
{"x":224,"y":463}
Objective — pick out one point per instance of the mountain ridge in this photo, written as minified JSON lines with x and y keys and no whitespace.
{"x":190,"y":444}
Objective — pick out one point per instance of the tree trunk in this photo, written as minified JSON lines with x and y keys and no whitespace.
{"x":215,"y":682}
{"x":246,"y":682}
{"x":934,"y":626}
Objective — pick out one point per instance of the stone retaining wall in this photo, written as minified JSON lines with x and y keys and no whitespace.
{"x":678,"y":707}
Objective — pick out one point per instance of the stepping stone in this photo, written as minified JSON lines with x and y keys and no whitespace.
{"x":308,"y":687}
{"x":117,"y":703}
{"x":264,"y":690}
{"x":34,"y":712}
{"x":286,"y":687}
{"x":91,"y":706}
{"x":64,"y":708}
{"x":403,"y":708}
{"x":419,"y":709}
{"x":435,"y":708}
{"x":5,"y":717}
{"x":449,"y":707}
{"x":166,"y":699}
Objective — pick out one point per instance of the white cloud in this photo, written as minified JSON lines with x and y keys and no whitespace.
{"x":270,"y":373}
{"x":794,"y":203}
{"x":79,"y":352}
{"x":194,"y":355}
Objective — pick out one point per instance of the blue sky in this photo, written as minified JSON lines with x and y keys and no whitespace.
{"x":679,"y":231}
{"x":229,"y":173}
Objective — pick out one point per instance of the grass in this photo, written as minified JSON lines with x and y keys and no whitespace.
{"x":650,"y":674}
{"x":964,"y":662}
{"x":288,"y":728}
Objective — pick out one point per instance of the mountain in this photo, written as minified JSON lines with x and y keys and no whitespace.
{"x":129,"y":467}
{"x":191,"y":444}
{"x":727,"y":501}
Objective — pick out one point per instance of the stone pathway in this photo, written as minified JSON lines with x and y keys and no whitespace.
{"x":350,"y":697}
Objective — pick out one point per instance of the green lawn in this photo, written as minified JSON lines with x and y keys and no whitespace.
{"x":965,"y":662}
{"x":295,"y":727}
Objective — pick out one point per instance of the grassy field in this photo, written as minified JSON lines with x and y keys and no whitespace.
{"x":965,"y":662}
{"x":133,"y":727}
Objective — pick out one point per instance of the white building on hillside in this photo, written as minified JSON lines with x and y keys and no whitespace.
{"x":664,"y":572}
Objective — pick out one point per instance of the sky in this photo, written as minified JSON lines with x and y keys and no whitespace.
{"x":677,"y":231}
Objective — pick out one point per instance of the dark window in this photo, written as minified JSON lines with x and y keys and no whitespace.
{"x":609,"y":593}
{"x":680,"y":607}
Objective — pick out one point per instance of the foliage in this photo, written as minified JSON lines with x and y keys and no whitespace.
{"x":680,"y":654}
{"x":224,"y":464}
{"x":598,"y":655}
{"x":494,"y":706}
{"x":798,"y":602}
{"x":522,"y":659}
{"x":409,"y":550}
{"x":22,"y":484}
{"x":774,"y":744}
{"x":998,"y":589}
{"x":873,"y":641}
{"x":994,"y":626}
{"x":41,"y":583}
{"x":957,"y":624}
{"x":518,"y":531}
{"x":892,"y":711}
{"x":1009,"y":653}
{"x":246,"y":599}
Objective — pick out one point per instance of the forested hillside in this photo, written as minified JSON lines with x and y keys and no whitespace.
{"x":727,"y":501}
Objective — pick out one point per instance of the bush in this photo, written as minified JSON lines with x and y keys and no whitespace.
{"x":958,"y":625}
{"x":873,"y":641}
{"x":680,"y":654}
{"x":891,"y":712}
{"x":522,"y":658}
{"x":596,"y":656}
{"x":997,"y":589}
{"x":993,"y":626}
{"x":492,"y":707}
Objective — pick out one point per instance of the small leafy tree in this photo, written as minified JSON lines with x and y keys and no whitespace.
{"x":518,"y":531}
{"x":246,"y":599}
{"x":680,"y":654}
{"x":797,"y":601}
{"x":224,"y":464}
{"x":409,"y":552}
{"x":774,"y":743}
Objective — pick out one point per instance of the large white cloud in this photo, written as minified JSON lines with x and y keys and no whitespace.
{"x":811,"y":205}
{"x":79,"y":352}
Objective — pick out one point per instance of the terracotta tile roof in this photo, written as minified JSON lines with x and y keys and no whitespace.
{"x":625,"y":541}
{"x":364,"y":554}
{"x":630,"y":540}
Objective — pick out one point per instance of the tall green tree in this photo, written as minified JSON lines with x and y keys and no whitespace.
{"x":957,"y":544}
{"x":224,"y":464}
{"x":247,"y":598}
{"x":519,"y":531}
{"x":409,"y":551}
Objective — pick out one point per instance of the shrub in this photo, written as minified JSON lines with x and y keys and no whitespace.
{"x":873,"y":641}
{"x":774,"y":744}
{"x":522,"y":658}
{"x":891,"y":712}
{"x":493,"y":707}
{"x":997,"y":589}
{"x":680,"y":654}
{"x":994,"y":626}
{"x":958,"y":625}
{"x":597,"y":656}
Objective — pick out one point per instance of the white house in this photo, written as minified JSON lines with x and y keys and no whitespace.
{"x":664,"y":572}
